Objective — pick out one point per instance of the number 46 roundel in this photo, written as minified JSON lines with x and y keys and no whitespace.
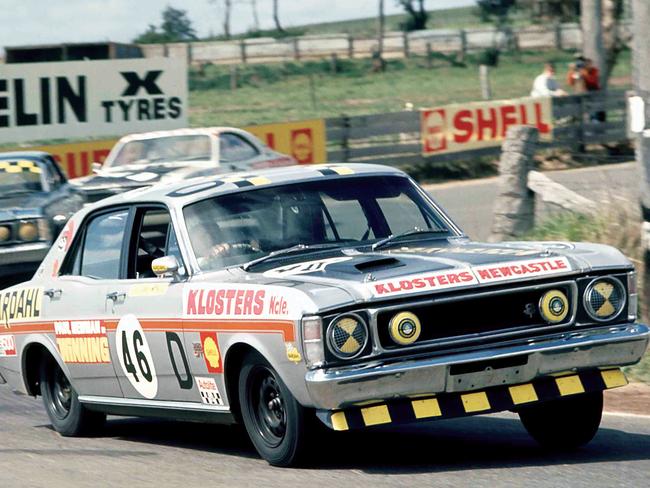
{"x":135,"y":356}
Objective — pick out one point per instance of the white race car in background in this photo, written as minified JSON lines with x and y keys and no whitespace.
{"x":147,"y":158}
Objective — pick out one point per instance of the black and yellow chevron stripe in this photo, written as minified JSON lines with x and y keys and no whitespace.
{"x":496,"y":399}
{"x":329,"y":170}
{"x":247,"y":180}
{"x":20,"y":167}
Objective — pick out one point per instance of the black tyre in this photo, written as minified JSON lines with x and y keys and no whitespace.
{"x":68,"y":416}
{"x":273,"y":418}
{"x":566,"y":423}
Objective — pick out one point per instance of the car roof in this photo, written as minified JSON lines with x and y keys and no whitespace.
{"x":180,"y":193}
{"x":177,"y":132}
{"x":24,"y":154}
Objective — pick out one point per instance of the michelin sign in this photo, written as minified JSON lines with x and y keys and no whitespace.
{"x":61,"y":100}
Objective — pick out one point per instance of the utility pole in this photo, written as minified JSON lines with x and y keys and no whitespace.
{"x":591,"y":20}
{"x":641,"y":80}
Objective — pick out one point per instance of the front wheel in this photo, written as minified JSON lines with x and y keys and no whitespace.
{"x":68,"y":416}
{"x":273,"y":418}
{"x":565,"y":423}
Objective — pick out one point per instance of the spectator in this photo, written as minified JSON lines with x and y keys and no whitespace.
{"x":583,"y":76}
{"x":545,"y":85}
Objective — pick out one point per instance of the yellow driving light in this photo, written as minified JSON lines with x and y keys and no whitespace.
{"x":604,"y":298}
{"x":554,"y":306}
{"x":5,"y":233}
{"x":405,"y":328}
{"x":347,"y":336}
{"x":28,"y":231}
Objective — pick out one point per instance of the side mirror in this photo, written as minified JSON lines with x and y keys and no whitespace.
{"x":165,"y":266}
{"x":96,"y":167}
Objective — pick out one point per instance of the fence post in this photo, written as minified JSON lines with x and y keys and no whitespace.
{"x":484,"y":79}
{"x":558,"y":35}
{"x":514,"y":207}
{"x":233,"y":77}
{"x":189,"y":53}
{"x":165,"y":50}
{"x":345,"y":140}
{"x":407,"y":51}
{"x":429,"y":56}
{"x":463,"y":45}
{"x":334,"y":63}
{"x":242,"y":48}
{"x":350,"y":46}
{"x":296,"y":49}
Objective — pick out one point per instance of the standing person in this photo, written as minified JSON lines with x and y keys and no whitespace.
{"x":584,"y":77}
{"x":545,"y":84}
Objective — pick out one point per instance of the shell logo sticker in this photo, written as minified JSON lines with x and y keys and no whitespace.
{"x":434,"y":130}
{"x":302,"y":145}
{"x":293,"y":354}
{"x":211,"y":353}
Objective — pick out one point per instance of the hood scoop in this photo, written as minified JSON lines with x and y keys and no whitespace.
{"x":374,"y":264}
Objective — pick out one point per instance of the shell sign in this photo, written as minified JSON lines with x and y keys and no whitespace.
{"x":462,"y":127}
{"x":304,"y":140}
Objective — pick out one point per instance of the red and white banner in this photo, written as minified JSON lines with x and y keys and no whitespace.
{"x":462,"y":127}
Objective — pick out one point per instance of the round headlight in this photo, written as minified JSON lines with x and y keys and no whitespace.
{"x":404,"y":328}
{"x":5,"y":233}
{"x":347,"y":336}
{"x":554,"y":306}
{"x":604,"y":298}
{"x":27,"y":231}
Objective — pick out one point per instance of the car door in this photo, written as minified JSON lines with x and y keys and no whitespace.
{"x":76,"y":303}
{"x":152,"y":361}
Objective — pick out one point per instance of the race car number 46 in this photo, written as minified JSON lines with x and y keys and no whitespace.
{"x":135,"y":356}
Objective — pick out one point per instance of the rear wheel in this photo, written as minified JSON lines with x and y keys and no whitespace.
{"x":565,"y":423}
{"x":273,"y":418}
{"x":68,"y":416}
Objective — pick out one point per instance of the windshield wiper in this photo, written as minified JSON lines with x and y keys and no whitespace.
{"x":290,"y":250}
{"x":393,"y":237}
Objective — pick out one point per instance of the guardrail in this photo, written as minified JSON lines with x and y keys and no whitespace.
{"x":396,"y":44}
{"x":395,"y":138}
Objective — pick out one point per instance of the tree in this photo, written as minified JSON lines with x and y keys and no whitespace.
{"x":498,"y":11}
{"x":256,"y":19}
{"x":227,"y":8}
{"x":591,"y":20}
{"x":418,"y":16}
{"x":276,"y":17}
{"x":378,"y":55}
{"x":175,"y":27}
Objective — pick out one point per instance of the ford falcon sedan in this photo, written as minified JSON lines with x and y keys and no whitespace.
{"x":36,"y":201}
{"x":144,"y":159}
{"x":328,"y":292}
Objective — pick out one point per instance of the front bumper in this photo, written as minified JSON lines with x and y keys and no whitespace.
{"x":515,"y":363}
{"x":22,"y":258}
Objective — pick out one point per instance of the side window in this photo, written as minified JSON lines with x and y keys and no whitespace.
{"x":349,"y":220}
{"x":102,"y":246}
{"x":156,"y":238}
{"x":233,"y":147}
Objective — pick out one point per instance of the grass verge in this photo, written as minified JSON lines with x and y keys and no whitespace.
{"x":294,"y":91}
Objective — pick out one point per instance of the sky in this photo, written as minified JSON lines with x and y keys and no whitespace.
{"x":47,"y":21}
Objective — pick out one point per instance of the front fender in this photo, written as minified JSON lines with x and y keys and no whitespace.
{"x":273,"y":348}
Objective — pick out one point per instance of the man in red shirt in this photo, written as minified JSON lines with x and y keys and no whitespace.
{"x":583,"y":75}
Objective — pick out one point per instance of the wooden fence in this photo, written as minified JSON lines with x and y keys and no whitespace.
{"x":394,"y":138}
{"x":396,"y":44}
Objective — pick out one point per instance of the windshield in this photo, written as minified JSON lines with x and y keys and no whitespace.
{"x":164,"y":149}
{"x":352,"y":212}
{"x":20,"y":177}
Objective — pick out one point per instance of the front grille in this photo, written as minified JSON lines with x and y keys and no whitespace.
{"x":474,"y":316}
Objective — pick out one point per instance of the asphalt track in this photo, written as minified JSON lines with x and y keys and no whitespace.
{"x":470,"y":202}
{"x":477,"y":451}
